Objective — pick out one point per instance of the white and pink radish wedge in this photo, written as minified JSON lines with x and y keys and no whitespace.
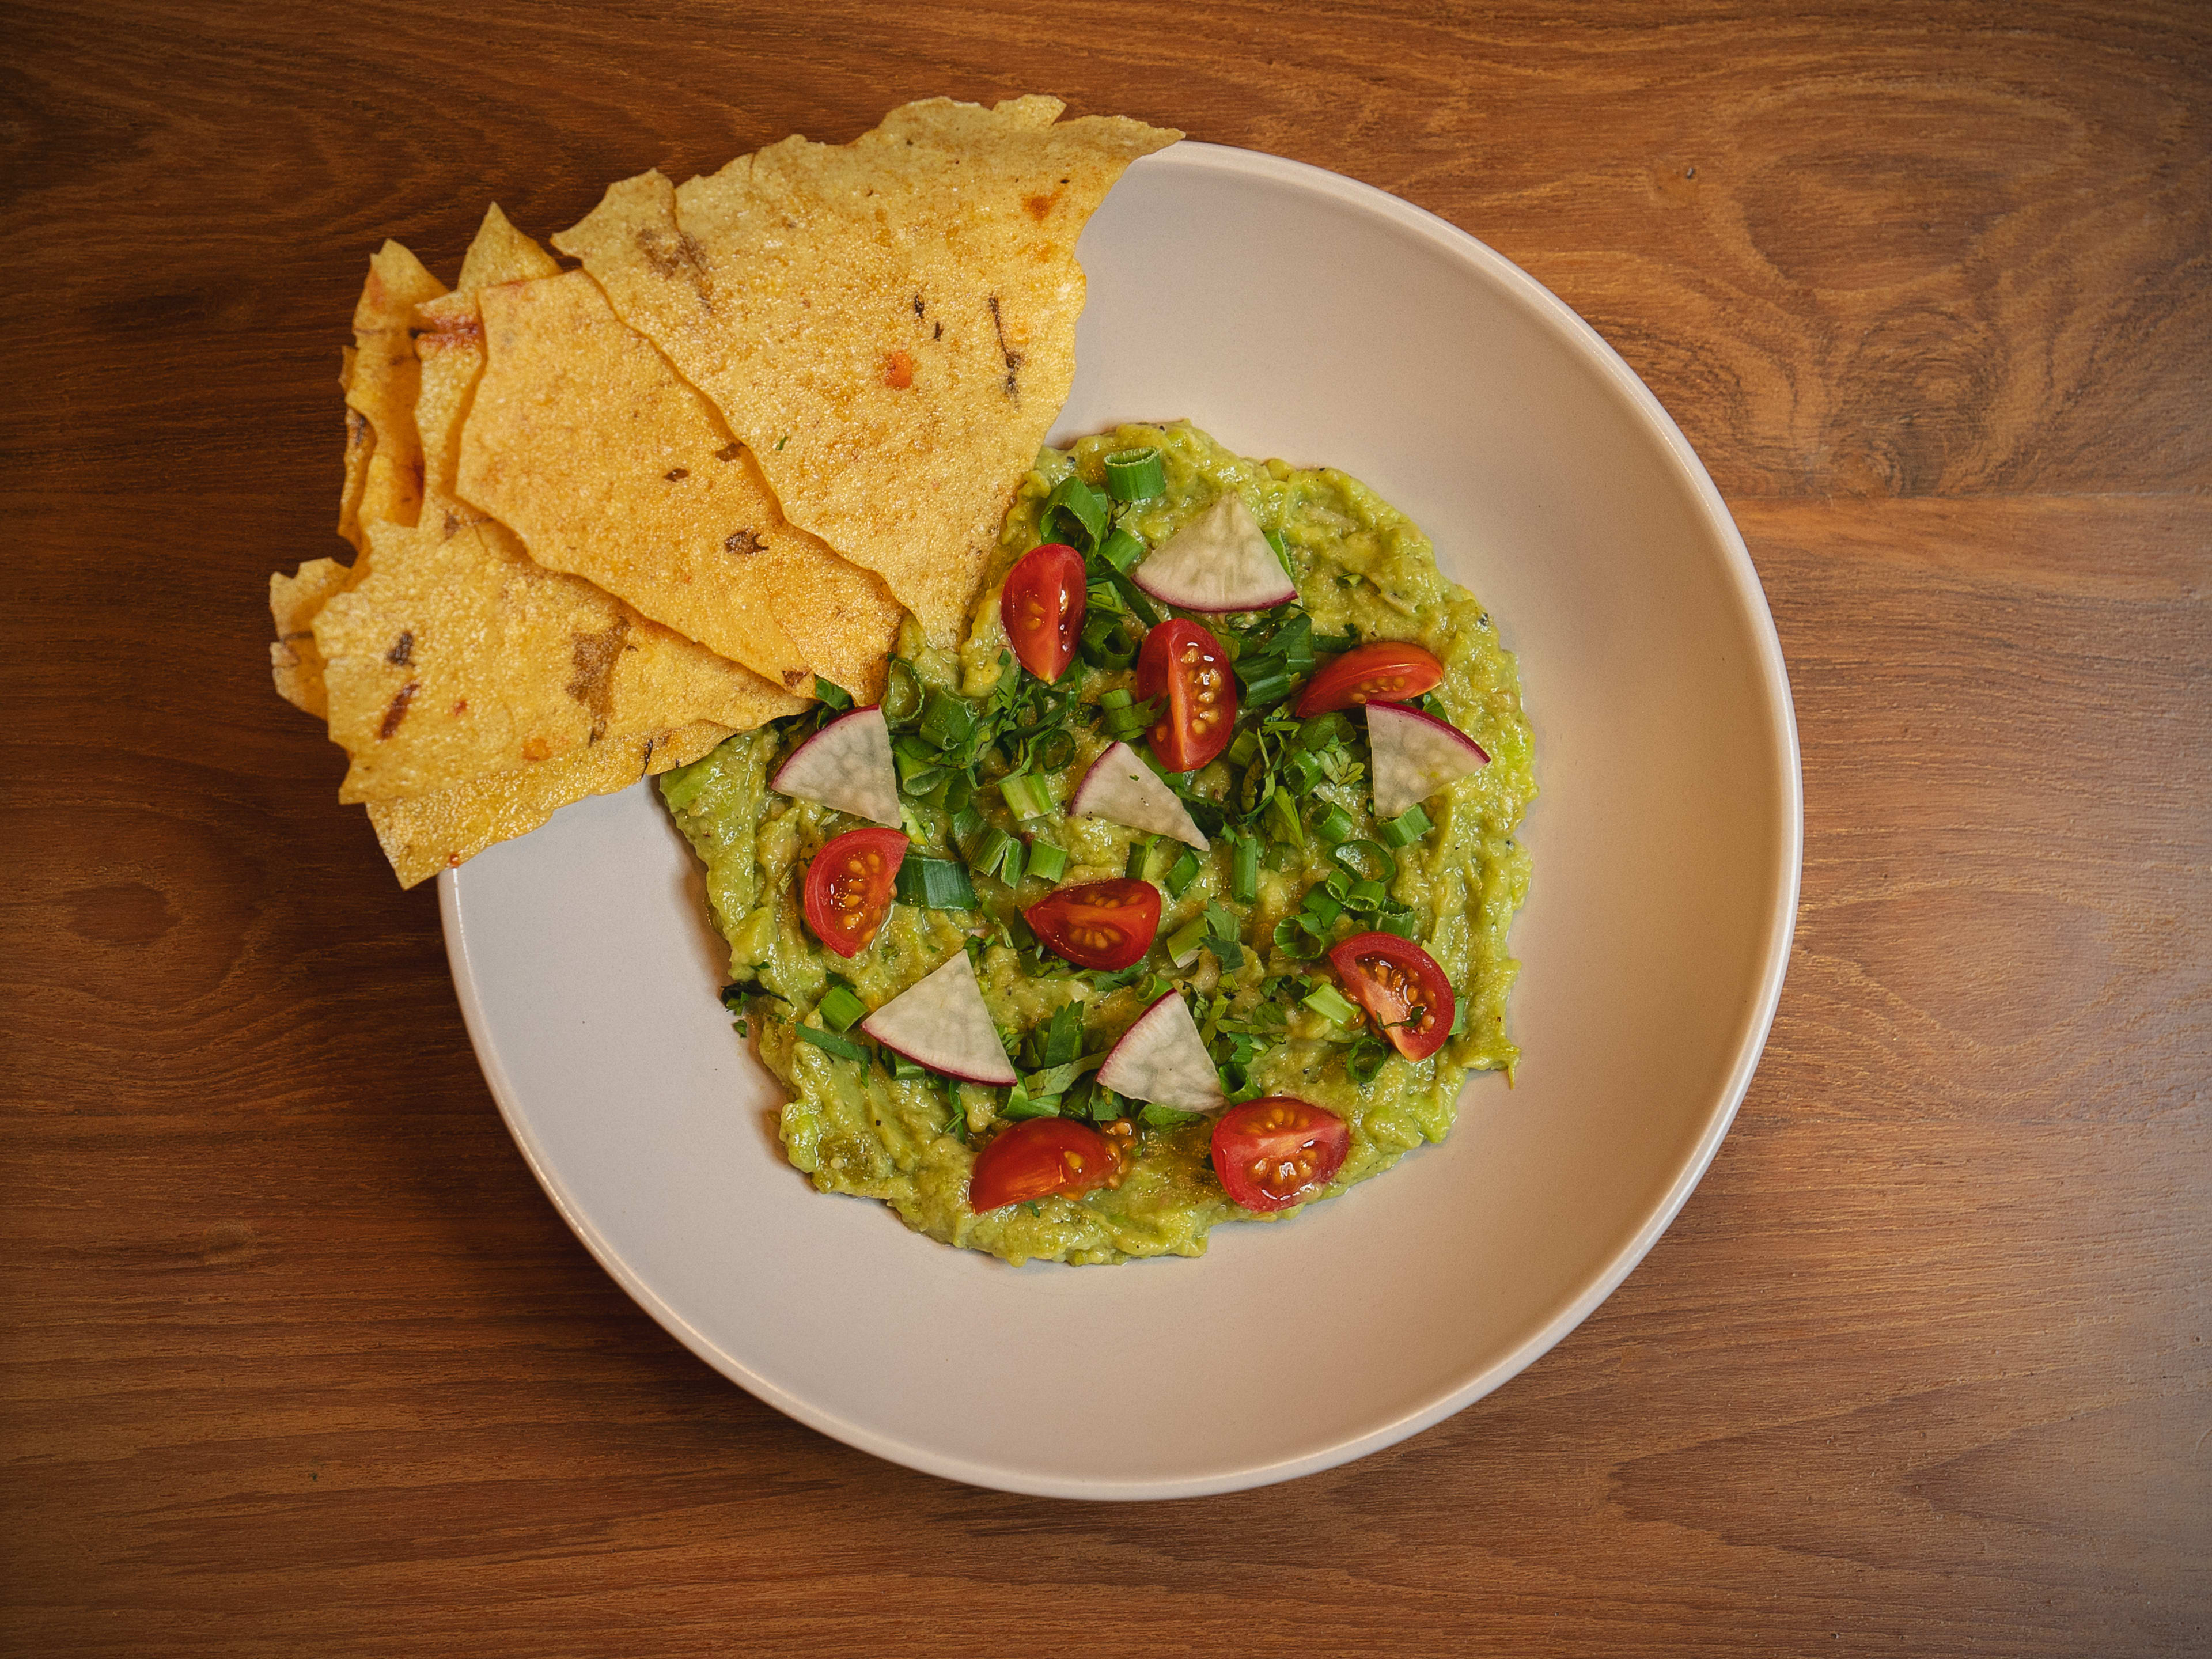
{"x":1163,"y":1059}
{"x":1415,"y":755}
{"x":941,"y":1021}
{"x":1120,"y":788}
{"x":847,"y":764}
{"x":1217,"y":562}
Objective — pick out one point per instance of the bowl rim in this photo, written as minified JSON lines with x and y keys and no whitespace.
{"x":1752,"y":1030}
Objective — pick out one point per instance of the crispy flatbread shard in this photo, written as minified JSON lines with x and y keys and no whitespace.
{"x":293,"y":658}
{"x":458,"y":657}
{"x":609,"y":466}
{"x":449,"y":345}
{"x":360,"y":444}
{"x":889,"y":325}
{"x":383,"y":380}
{"x":438,"y":832}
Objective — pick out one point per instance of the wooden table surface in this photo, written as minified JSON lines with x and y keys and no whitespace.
{"x":298,"y":1359}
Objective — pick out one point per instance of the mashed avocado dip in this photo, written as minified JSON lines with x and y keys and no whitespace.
{"x":1291,"y":797}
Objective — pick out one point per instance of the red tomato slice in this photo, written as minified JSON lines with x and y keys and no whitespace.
{"x":1183,"y":664}
{"x":1383,"y":670}
{"x":1101,"y":924}
{"x":1039,"y":1157}
{"x":1273,"y":1153}
{"x":848,"y":887}
{"x":1041,"y":606}
{"x":1401,"y":985}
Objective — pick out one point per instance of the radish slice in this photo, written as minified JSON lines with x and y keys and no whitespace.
{"x":848,"y":765}
{"x":1120,"y":786}
{"x":1163,"y":1059}
{"x":1217,"y":562}
{"x":1415,"y":755}
{"x":940,"y":1022}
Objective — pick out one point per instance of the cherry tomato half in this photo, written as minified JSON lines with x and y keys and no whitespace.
{"x":848,"y":887}
{"x":1273,"y":1153}
{"x":1382,"y":670}
{"x":1038,"y":1158}
{"x":1183,"y":664}
{"x":1041,"y":606}
{"x":1101,"y":924}
{"x":1401,"y":985}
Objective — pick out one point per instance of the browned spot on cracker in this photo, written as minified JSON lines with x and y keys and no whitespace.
{"x":397,"y":711}
{"x":402,"y":654}
{"x":536,"y":749}
{"x":898,"y":370}
{"x":729,"y":451}
{"x":1040,"y":207}
{"x":595,"y":656}
{"x":1013,"y":358}
{"x":744,"y":541}
{"x":675,"y":473}
{"x":795,"y":678}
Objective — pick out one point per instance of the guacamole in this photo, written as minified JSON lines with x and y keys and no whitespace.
{"x":1292,"y":796}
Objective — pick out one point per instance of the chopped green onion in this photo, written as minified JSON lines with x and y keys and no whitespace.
{"x":1270,"y":687}
{"x":1329,"y":1003}
{"x":1184,"y":943}
{"x":1025,"y":794}
{"x":1120,"y":548}
{"x":1136,"y":475}
{"x":1366,"y":1058}
{"x":1323,"y":905}
{"x":1408,"y":827}
{"x":841,"y":1009}
{"x":1047,"y":862}
{"x":968,"y":827}
{"x":946,"y":720}
{"x":1365,"y":897}
{"x":1459,"y":1018}
{"x":1084,"y":507}
{"x":1246,"y":749}
{"x":832,"y":695}
{"x":935,"y":885}
{"x":1166,"y":1117}
{"x":904,"y":1069}
{"x":830,"y":1042}
{"x":1139,"y":854}
{"x":1244,"y":871}
{"x":1275,"y":541}
{"x":959,"y":793}
{"x":1404,"y":923}
{"x":1010,"y":865}
{"x":1182,"y":873}
{"x":990,"y":851}
{"x":1386,"y":868}
{"x":1336,"y":825}
{"x":1130,"y":721}
{"x":902,"y":692}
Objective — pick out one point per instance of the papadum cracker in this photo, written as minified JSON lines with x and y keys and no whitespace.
{"x":889,"y":324}
{"x":440,"y":831}
{"x":458,"y":657}
{"x":582,"y":438}
{"x":384,"y":383}
{"x":294,"y":660}
{"x":449,"y":345}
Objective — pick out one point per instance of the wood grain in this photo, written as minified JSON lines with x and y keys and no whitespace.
{"x":298,"y":1360}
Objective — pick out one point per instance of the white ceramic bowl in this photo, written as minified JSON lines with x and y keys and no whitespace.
{"x":1290,"y":312}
